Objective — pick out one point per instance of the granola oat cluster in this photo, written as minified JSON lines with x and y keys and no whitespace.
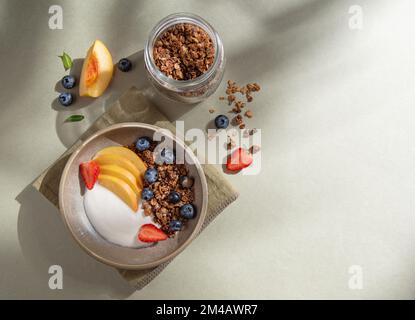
{"x":238,"y":105}
{"x":232,"y":91}
{"x":159,"y":207}
{"x":244,"y":90}
{"x":184,"y":51}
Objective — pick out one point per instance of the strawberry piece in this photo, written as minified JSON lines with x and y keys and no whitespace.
{"x":150,"y":233}
{"x":239,"y":159}
{"x":89,"y":173}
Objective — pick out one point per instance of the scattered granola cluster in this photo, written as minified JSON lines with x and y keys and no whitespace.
{"x":232,"y":137}
{"x":238,"y":105}
{"x":254,"y":149}
{"x":240,"y":158}
{"x":238,"y":121}
{"x":249,"y":132}
{"x":168,"y":181}
{"x":244,"y":90}
{"x":184,"y":51}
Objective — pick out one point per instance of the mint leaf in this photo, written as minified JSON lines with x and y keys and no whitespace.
{"x":75,"y":118}
{"x":66,"y":60}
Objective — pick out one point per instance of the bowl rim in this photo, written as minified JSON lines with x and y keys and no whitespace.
{"x":202,"y":212}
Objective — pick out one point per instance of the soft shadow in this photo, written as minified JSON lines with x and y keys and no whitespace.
{"x":49,"y":181}
{"x":172,"y":109}
{"x":79,"y":102}
{"x":284,"y":28}
{"x":45,"y":241}
{"x":92,"y":108}
{"x":226,"y":171}
{"x":296,"y":15}
{"x":22,"y":34}
{"x":210,"y":125}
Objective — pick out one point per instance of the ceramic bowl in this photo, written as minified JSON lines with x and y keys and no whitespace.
{"x":71,"y":205}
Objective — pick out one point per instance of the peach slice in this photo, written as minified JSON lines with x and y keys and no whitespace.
{"x":96,"y":71}
{"x":115,"y":159}
{"x":128,"y":154}
{"x":123,"y":174}
{"x":121,"y":189}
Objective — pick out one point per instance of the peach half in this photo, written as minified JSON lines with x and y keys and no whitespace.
{"x":96,"y":71}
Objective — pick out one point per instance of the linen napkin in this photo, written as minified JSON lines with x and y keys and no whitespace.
{"x":133,"y":106}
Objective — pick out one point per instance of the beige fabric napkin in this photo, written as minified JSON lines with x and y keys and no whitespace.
{"x":132,"y":106}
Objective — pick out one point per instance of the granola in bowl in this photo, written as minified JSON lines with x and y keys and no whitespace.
{"x":171,"y":192}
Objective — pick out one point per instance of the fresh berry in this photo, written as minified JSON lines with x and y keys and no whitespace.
{"x":174,"y":197}
{"x":221,"y":122}
{"x":89,"y":173}
{"x":150,"y":233}
{"x":167,"y":156}
{"x":164,"y":156}
{"x":68,"y":82}
{"x":188,"y":211}
{"x":125,"y":65}
{"x":147,"y":194}
{"x":142,"y":144}
{"x":238,"y":160}
{"x":65,"y":99}
{"x":151,"y":175}
{"x":175,"y":225}
{"x":186,"y":182}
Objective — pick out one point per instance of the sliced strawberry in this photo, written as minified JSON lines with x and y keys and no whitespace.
{"x":239,"y":159}
{"x":150,"y":233}
{"x":89,"y":172}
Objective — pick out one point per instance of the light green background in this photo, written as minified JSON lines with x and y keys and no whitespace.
{"x":338,"y":176}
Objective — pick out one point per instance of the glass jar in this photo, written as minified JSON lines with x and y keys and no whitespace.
{"x":187,"y":91}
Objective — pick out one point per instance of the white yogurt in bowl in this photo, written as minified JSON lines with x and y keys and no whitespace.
{"x":113,"y":219}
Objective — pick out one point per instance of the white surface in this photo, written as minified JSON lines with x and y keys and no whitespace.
{"x":337,"y":182}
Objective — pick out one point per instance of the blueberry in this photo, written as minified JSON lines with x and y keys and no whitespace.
{"x":167,"y":156}
{"x":174,"y":197}
{"x":125,"y":65}
{"x":188,"y":211}
{"x":186,"y":182}
{"x":147,"y":194}
{"x":175,"y":225}
{"x":221,"y":122}
{"x":65,"y":99}
{"x":151,"y":175}
{"x":164,"y":156}
{"x":68,"y":82}
{"x":142,"y":144}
